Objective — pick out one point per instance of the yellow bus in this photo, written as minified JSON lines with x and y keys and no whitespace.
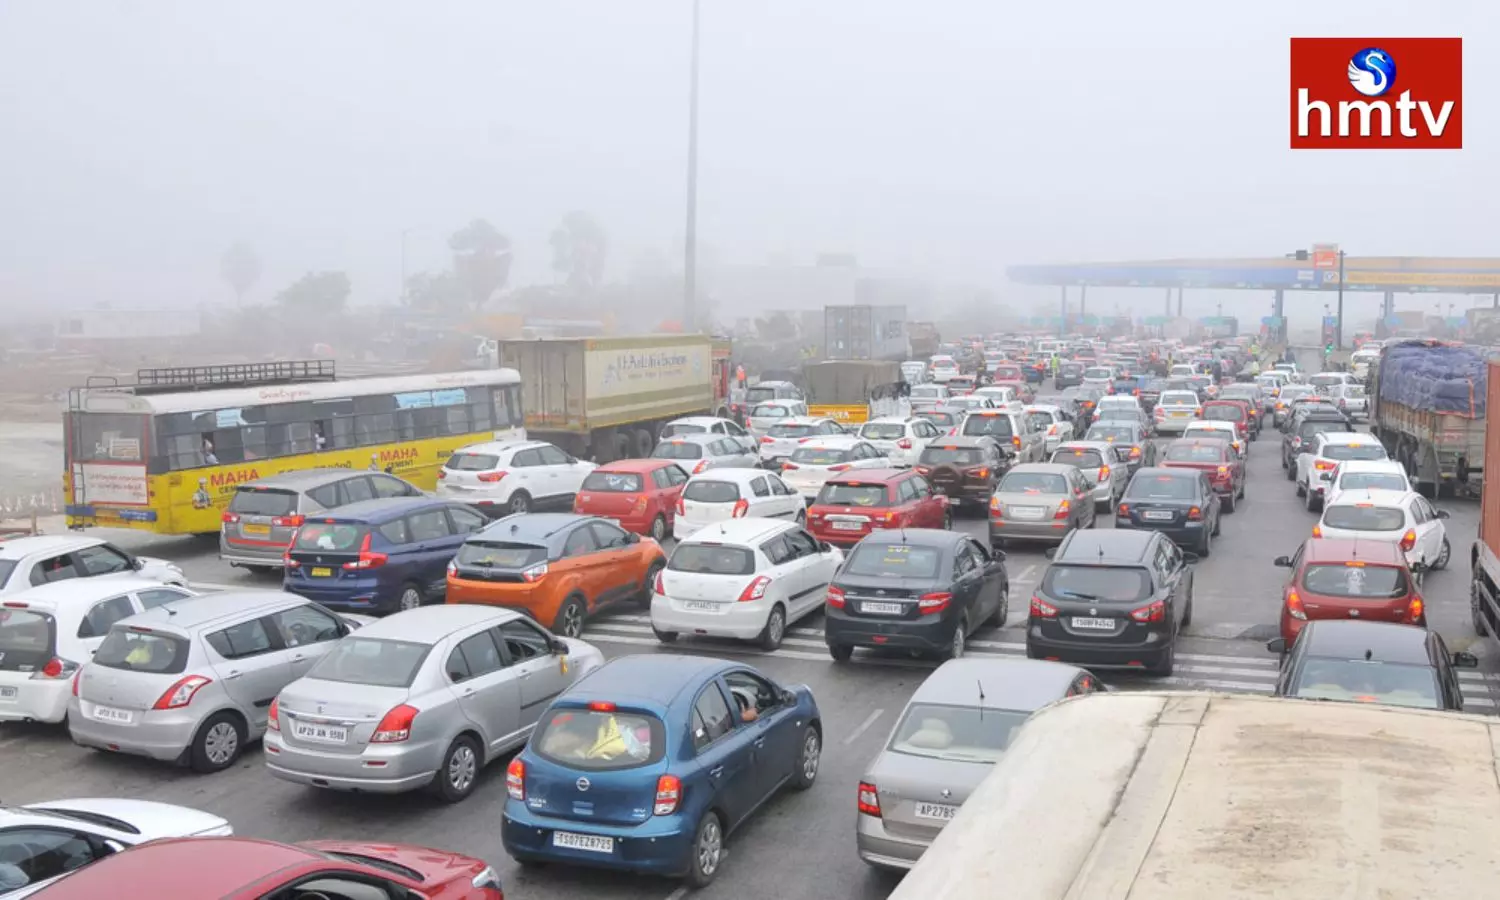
{"x":165,"y":453}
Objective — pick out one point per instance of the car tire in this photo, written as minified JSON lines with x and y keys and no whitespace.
{"x":959,"y":642}
{"x":1447,"y":553}
{"x":411,"y":598}
{"x":1168,"y":661}
{"x":1187,"y":614}
{"x":1206,"y":545}
{"x":651,"y":573}
{"x":459,"y":771}
{"x":658,"y":530}
{"x":808,"y":759}
{"x":570,"y":616}
{"x":1243,"y":485}
{"x":1002,"y":612}
{"x":666,"y":637}
{"x":218,"y":743}
{"x":706,"y":853}
{"x":519,"y":502}
{"x":775,"y":631}
{"x":841,"y":652}
{"x":1301,"y":491}
{"x":1227,"y":503}
{"x":1218,"y":525}
{"x":1311,"y":501}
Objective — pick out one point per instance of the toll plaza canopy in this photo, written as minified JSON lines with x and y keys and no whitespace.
{"x":1392,"y":274}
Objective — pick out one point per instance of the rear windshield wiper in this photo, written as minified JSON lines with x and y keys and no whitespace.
{"x":1079,"y":595}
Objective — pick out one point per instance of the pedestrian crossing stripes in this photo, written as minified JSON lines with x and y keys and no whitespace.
{"x":1199,"y":671}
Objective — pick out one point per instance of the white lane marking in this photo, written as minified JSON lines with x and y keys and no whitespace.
{"x":678,"y":894}
{"x":863,"y":727}
{"x":1023,"y":576}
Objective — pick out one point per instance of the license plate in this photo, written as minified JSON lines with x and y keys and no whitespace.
{"x":1156,"y":515}
{"x":1095,"y":624}
{"x":257,"y":529}
{"x":321,"y":572}
{"x":110,"y":714}
{"x":1179,"y":414}
{"x":1026,"y":512}
{"x":884,"y":609}
{"x":939,"y":811}
{"x":583,"y":842}
{"x":700,"y":605}
{"x":321,"y":734}
{"x":847,"y":526}
{"x":7,"y":693}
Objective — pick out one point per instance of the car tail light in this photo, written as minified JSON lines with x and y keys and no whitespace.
{"x":700,"y":467}
{"x":741,"y":508}
{"x":395,"y":726}
{"x":1195,"y":514}
{"x":640,"y":505}
{"x":1223,"y":471}
{"x":981,"y":472}
{"x":869,"y":799}
{"x":56,"y":668}
{"x":1408,"y":540}
{"x":789,"y":465}
{"x":1160,"y":412}
{"x":1294,"y":607}
{"x":181,"y":693}
{"x":658,"y":585}
{"x":935,"y":602}
{"x":1156,"y":611}
{"x":835,"y":597}
{"x":923,"y":470}
{"x":1041,"y":609}
{"x":77,"y":675}
{"x":1104,"y":473}
{"x":367,"y":559}
{"x":1062,"y":510}
{"x":229,"y":518}
{"x":1323,"y":465}
{"x":1317,"y":531}
{"x":1052,"y":430}
{"x":442,"y":473}
{"x":1135,"y":453}
{"x":1415,"y":609}
{"x":1016,"y":442}
{"x":668,"y":795}
{"x":534,"y":574}
{"x":492,"y":477}
{"x":755,"y":590}
{"x":288,"y":521}
{"x":273,"y":715}
{"x":1123,"y":510}
{"x":803,"y":440}
{"x":1296,"y":442}
{"x":681,"y":510}
{"x":768,"y":440}
{"x":515,"y":779}
{"x":904,"y":443}
{"x":841,"y":467}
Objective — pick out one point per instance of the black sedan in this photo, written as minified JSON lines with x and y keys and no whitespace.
{"x":1116,"y":599}
{"x":1132,"y":443}
{"x":1179,"y":503}
{"x":1371,"y":662}
{"x":915,"y":589}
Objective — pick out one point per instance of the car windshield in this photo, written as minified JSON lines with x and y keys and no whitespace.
{"x":27,"y":639}
{"x":1364,"y":517}
{"x":612,"y":482}
{"x":958,"y":733}
{"x":675,"y":428}
{"x":678,"y":450}
{"x":770,"y":411}
{"x":1104,"y":584}
{"x":852,"y":495}
{"x":1354,"y":451}
{"x":1295,"y":392}
{"x":893,"y":561}
{"x":334,"y":537}
{"x":1039,"y":420}
{"x":991,"y":426}
{"x":790,"y":431}
{"x":1078,"y":457}
{"x":1090,"y":394}
{"x":1178,"y":398}
{"x":1354,"y":390}
{"x":951,"y":456}
{"x":940,"y":419}
{"x":1195,"y":452}
{"x":1313,"y":427}
{"x":760,"y":394}
{"x":883,"y":431}
{"x":820,"y":456}
{"x":1110,"y":433}
{"x":928,"y":390}
{"x":599,"y":740}
{"x":1368,"y":681}
{"x":1032,"y":483}
{"x":1389,"y":481}
{"x":471,"y":462}
{"x":142,"y":651}
{"x":1208,"y":434}
{"x":1163,"y":487}
{"x":499,"y":554}
{"x":712,"y":559}
{"x":258,"y":501}
{"x":1355,"y":579}
{"x":706,"y":491}
{"x":1098,"y":373}
{"x":371,"y":661}
{"x":7,"y":566}
{"x":1223,"y":413}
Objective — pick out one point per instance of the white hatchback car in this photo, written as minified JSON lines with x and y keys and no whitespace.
{"x":27,"y":562}
{"x":1099,"y":377}
{"x":696,"y":453}
{"x":815,"y":462}
{"x":927,"y":396}
{"x":1377,"y":474}
{"x":1350,"y":399}
{"x":1316,"y":467}
{"x":944,"y":368}
{"x":720,"y":495}
{"x":507,"y":477}
{"x":1401,"y":517}
{"x":1053,"y":422}
{"x":764,"y":415}
{"x":701,"y":425}
{"x":785,"y":436}
{"x":901,"y":439}
{"x":747,"y":579}
{"x":1174,"y":410}
{"x":1210,"y":428}
{"x":1004,"y":397}
{"x":47,"y":632}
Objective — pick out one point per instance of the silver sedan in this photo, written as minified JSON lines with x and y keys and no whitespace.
{"x":422,"y":698}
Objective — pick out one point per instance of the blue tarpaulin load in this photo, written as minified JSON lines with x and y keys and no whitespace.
{"x":1435,"y":376}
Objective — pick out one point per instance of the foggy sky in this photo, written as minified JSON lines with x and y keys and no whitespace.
{"x":948,"y":138}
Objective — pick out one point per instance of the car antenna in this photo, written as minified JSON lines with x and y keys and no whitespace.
{"x":980,"y":684}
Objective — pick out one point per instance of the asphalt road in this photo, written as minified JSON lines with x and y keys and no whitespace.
{"x":800,"y":846}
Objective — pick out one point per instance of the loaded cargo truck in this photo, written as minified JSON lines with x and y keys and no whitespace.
{"x":1484,"y":555}
{"x":1428,"y":409}
{"x":607,"y":398}
{"x":855,"y":391}
{"x":865,"y":332}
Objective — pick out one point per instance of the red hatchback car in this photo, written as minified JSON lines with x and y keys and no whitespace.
{"x":852,"y":505}
{"x":1217,"y":459}
{"x":1236,"y":411}
{"x":1344,"y":579}
{"x":640,"y":494}
{"x":245,"y":869}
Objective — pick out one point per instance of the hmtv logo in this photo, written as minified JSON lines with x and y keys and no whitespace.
{"x":1377,"y":93}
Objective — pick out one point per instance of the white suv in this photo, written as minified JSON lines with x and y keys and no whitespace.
{"x":901,"y":439}
{"x":506,"y":477}
{"x":1404,"y":518}
{"x":1317,"y":468}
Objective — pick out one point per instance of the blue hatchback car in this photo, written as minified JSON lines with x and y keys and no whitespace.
{"x":381,"y":555}
{"x":647,"y":763}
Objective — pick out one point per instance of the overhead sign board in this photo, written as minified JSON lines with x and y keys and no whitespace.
{"x":1325,"y":256}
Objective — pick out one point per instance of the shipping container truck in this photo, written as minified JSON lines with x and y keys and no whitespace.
{"x":1484,"y":556}
{"x":1428,"y":409}
{"x":607,"y":398}
{"x":865,"y":332}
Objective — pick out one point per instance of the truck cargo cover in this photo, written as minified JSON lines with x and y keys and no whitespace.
{"x":1436,"y":376}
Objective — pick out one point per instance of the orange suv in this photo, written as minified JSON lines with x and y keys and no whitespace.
{"x":558,"y":568}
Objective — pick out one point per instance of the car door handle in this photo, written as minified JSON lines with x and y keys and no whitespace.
{"x":298,"y":658}
{"x":716,"y":771}
{"x":468,"y":692}
{"x":760,"y":743}
{"x":232,"y":676}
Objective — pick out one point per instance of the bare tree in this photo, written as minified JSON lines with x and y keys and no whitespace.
{"x":481,"y":260}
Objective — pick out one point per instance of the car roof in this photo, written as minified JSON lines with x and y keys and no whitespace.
{"x":919,"y":537}
{"x":496,"y":448}
{"x":992,"y":411}
{"x":196,"y":866}
{"x":803,"y":420}
{"x":748,"y":531}
{"x":301,"y":479}
{"x":635,"y":466}
{"x":1042,"y":407}
{"x":1099,"y":446}
{"x":1042,"y":468}
{"x":697,"y":420}
{"x":531,"y":527}
{"x":959,"y":440}
{"x":1167,"y":471}
{"x":430,"y":624}
{"x":1349,"y":437}
{"x":380,"y":510}
{"x":890,"y":420}
{"x":1338,"y":550}
{"x":655,"y":678}
{"x":773,"y":384}
{"x":994,"y":683}
{"x":835,"y":442}
{"x":1211,"y":425}
{"x":1383,"y":641}
{"x":737,"y":475}
{"x":16,"y":548}
{"x":1104,"y":547}
{"x":701,"y":439}
{"x":857,"y":476}
{"x":208,"y":609}
{"x":1371,"y":465}
{"x":83,"y":591}
{"x":1373,"y":497}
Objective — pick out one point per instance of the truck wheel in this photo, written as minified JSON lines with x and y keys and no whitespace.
{"x":1476,"y":611}
{"x":622,"y":447}
{"x":603,"y":447}
{"x":644,"y":443}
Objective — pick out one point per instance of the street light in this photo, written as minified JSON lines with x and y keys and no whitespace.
{"x":405,"y":232}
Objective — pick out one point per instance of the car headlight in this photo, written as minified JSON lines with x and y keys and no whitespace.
{"x":487,"y":879}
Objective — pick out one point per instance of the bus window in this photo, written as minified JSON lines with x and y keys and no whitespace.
{"x":505,"y":401}
{"x":375,"y":428}
{"x":109,"y":437}
{"x":481,"y":412}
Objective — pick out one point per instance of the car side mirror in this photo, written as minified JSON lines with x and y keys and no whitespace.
{"x":788,"y":698}
{"x":138,"y":564}
{"x":1190,"y":558}
{"x":1282,"y":562}
{"x":1465,"y":660}
{"x":560,"y":646}
{"x":1443,"y":514}
{"x":572,"y":459}
{"x":1050,"y":552}
{"x":1276,"y":645}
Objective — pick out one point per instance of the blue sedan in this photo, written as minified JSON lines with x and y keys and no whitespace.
{"x":649,"y":762}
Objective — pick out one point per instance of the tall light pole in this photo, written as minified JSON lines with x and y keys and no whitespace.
{"x":1338,"y":334}
{"x":405,"y":232}
{"x":690,"y":246}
